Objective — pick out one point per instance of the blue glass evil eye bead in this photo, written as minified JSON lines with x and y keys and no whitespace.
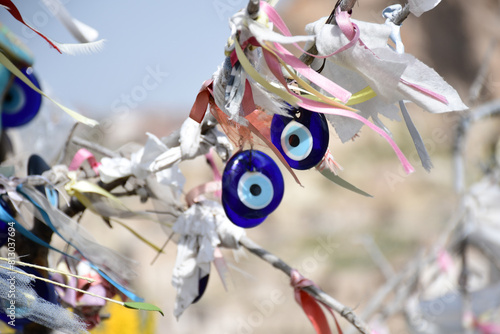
{"x":252,"y":188}
{"x":302,"y":139}
{"x":21,"y":103}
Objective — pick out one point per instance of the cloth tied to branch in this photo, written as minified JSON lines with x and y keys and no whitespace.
{"x":202,"y":228}
{"x":371,"y":62}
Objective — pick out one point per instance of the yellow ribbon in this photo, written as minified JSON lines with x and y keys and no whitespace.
{"x":140,"y":237}
{"x":79,"y":188}
{"x":362,"y":96}
{"x":359,"y":97}
{"x":331,"y":101}
{"x":245,"y":63}
{"x":12,"y":68}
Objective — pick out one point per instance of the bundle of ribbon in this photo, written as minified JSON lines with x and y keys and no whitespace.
{"x":263,"y":91}
{"x":261,"y":95}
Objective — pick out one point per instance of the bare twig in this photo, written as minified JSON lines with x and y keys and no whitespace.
{"x":64,"y":151}
{"x":485,"y":110}
{"x":409,"y":273}
{"x":458,"y":154}
{"x":377,"y":256}
{"x":478,"y":84}
{"x":346,"y":5}
{"x":464,"y":288}
{"x":94,"y":147}
{"x":253,"y":8}
{"x":317,"y":293}
{"x":402,"y":15}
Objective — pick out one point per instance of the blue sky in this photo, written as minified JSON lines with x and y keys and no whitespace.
{"x":181,"y":41}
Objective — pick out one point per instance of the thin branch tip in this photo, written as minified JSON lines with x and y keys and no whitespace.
{"x":253,"y":8}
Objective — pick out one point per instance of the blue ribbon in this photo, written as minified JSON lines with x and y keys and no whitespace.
{"x":4,"y":215}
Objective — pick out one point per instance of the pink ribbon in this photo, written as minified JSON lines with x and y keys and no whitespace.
{"x":275,"y":18}
{"x":80,"y":157}
{"x":425,"y":91}
{"x":323,"y":82}
{"x":351,"y":31}
{"x":487,"y":327}
{"x":275,"y":68}
{"x":482,"y":326}
{"x":322,"y":108}
{"x":328,"y":162}
{"x":311,"y":305}
{"x":215,"y":171}
{"x":88,"y":306}
{"x":194,"y":195}
{"x":444,"y":261}
{"x":221,"y":266}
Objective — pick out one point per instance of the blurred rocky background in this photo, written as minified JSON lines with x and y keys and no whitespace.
{"x":319,"y":228}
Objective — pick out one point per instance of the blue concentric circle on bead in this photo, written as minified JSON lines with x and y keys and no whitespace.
{"x":21,"y":103}
{"x":252,"y":188}
{"x":302,"y":138}
{"x":255,"y":190}
{"x":296,"y":141}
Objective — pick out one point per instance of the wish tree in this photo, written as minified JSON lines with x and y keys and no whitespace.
{"x":269,"y":110}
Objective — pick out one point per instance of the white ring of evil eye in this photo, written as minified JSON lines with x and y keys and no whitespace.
{"x":301,"y":134}
{"x":17,"y":100}
{"x":255,"y":190}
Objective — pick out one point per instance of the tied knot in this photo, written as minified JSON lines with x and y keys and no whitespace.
{"x":297,"y":281}
{"x":310,"y":305}
{"x":348,"y":28}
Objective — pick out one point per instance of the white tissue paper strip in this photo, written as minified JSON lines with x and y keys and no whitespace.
{"x":141,"y":162}
{"x":347,"y":128}
{"x":376,"y":65}
{"x":202,"y":227}
{"x":418,"y":7}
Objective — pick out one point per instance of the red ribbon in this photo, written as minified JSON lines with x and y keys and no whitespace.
{"x":310,"y":305}
{"x":7,"y":4}
{"x":201,"y":103}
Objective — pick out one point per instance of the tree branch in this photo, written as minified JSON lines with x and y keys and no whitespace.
{"x":402,"y":15}
{"x":485,"y":110}
{"x":317,"y":293}
{"x":253,"y":8}
{"x":94,"y":147}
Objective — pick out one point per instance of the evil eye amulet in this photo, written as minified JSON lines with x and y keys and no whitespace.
{"x":302,"y":139}
{"x":21,"y":103}
{"x":252,"y":188}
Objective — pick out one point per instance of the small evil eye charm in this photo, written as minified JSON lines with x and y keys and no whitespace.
{"x":302,"y":139}
{"x":252,"y":188}
{"x":21,"y":103}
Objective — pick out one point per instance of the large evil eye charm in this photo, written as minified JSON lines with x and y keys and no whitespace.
{"x":302,"y":139}
{"x":252,"y":188}
{"x":21,"y":103}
